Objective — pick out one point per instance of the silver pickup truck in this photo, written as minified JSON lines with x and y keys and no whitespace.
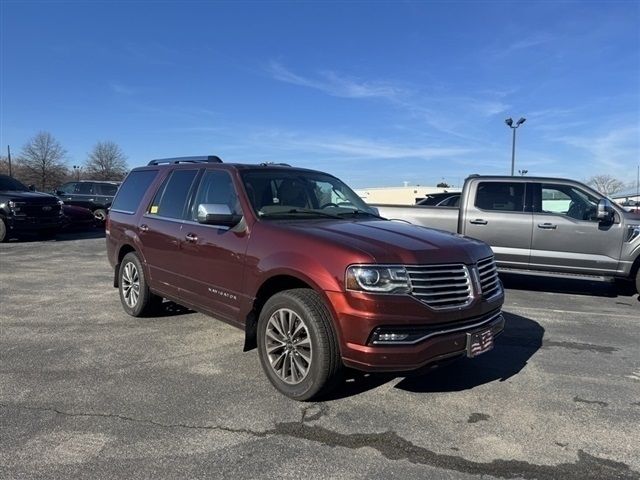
{"x":543,"y":226}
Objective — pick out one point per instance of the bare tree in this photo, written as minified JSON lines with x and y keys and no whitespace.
{"x":605,"y":184}
{"x":42,"y":161}
{"x":106,"y":161}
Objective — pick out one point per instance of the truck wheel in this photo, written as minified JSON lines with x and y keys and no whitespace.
{"x":100,"y":215}
{"x":297,"y":344}
{"x":137,"y":300}
{"x":3,"y":231}
{"x":638,"y":281}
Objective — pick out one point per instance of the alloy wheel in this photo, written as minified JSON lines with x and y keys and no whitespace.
{"x":288,"y":346}
{"x":130,"y":284}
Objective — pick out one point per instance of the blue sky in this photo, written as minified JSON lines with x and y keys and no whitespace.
{"x":376,"y":93}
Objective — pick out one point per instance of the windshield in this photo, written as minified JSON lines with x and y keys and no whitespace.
{"x":283,"y":192}
{"x":11,"y":184}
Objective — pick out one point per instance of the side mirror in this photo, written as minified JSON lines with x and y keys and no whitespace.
{"x":605,"y":211}
{"x":32,"y":187}
{"x":58,"y":192}
{"x":217,"y":214}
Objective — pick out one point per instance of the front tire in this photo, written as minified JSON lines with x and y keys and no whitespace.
{"x":297,"y":344}
{"x":137,"y":300}
{"x":638,"y":281}
{"x":100,"y":215}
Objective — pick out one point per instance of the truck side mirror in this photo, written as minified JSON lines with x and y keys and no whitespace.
{"x":217,"y":214}
{"x":605,"y":211}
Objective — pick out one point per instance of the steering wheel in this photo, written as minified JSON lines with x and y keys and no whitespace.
{"x":330,"y":204}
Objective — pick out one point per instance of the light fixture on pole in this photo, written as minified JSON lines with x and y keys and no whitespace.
{"x":514,"y":127}
{"x":76,"y":168}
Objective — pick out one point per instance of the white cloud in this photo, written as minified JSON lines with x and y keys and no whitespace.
{"x":333,"y":84}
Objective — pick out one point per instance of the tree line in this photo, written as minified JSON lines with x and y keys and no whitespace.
{"x":42,"y":162}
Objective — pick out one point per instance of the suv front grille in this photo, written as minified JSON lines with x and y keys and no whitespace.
{"x":36,"y":210}
{"x":441,"y":286}
{"x":489,"y":281}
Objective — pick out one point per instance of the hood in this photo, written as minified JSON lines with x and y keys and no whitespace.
{"x":20,"y":195}
{"x":396,"y":242}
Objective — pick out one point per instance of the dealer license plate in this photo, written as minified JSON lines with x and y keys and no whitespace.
{"x":479,"y":342}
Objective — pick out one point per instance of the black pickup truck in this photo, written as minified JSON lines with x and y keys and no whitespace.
{"x":22,"y":210}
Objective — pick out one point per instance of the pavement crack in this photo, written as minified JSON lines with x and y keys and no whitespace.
{"x":146,"y":421}
{"x":593,"y":402}
{"x":394,"y":447}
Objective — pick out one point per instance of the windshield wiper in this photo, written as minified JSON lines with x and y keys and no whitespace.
{"x":359,"y":211}
{"x":305,"y":211}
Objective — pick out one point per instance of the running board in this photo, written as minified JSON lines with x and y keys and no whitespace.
{"x":541,"y":273}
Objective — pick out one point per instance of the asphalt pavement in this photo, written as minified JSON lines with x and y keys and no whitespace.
{"x":88,"y":392}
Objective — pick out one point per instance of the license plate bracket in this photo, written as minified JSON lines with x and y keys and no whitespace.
{"x":479,"y":342}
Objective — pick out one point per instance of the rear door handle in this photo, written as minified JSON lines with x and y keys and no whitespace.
{"x":191,"y":237}
{"x":547,"y":226}
{"x":144,"y":228}
{"x":478,"y":221}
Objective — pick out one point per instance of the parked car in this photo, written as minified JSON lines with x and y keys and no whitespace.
{"x":297,"y":260}
{"x":95,"y":195}
{"x":24,"y":211}
{"x":542,"y":226}
{"x":77,"y":217}
{"x":631,"y":206}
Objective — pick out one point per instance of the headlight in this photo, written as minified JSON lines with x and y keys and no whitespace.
{"x":60,"y":202}
{"x":11,"y":204}
{"x":378,"y":279}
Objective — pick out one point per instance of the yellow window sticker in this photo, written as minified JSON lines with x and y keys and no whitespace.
{"x":154,"y":209}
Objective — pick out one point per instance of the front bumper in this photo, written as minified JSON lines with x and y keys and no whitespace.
{"x":442,"y":334}
{"x":31,"y":224}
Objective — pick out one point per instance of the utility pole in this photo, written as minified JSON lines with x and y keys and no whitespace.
{"x":513,"y":127}
{"x":9,"y":157}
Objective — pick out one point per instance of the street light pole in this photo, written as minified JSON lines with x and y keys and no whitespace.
{"x":514,"y":127}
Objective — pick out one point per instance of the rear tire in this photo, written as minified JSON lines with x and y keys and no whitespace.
{"x":638,"y":281}
{"x":3,"y":231}
{"x":297,"y":344}
{"x":137,"y":300}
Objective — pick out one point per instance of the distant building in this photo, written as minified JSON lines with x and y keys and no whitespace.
{"x":406,"y":195}
{"x":626,"y":195}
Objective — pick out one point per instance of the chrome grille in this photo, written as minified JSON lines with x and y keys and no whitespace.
{"x":488,"y":273}
{"x":441,"y":286}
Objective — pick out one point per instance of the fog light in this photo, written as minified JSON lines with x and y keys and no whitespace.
{"x":392,"y":337}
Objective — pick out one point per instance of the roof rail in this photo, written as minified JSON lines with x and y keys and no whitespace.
{"x":199,"y":159}
{"x":266,"y":164}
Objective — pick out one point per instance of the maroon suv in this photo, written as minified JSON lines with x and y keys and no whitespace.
{"x":295,"y":258}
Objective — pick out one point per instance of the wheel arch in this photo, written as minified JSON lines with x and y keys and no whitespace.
{"x":276,"y":283}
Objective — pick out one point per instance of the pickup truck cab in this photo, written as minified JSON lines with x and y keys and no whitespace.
{"x":543,"y":226}
{"x":296,"y":259}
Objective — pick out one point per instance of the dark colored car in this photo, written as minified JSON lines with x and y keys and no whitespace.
{"x":24,"y":211}
{"x":441,"y":200}
{"x":296,"y":259}
{"x":77,"y":217}
{"x":94,"y":195}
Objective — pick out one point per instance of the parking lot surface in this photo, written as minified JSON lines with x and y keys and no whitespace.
{"x":89,"y":392}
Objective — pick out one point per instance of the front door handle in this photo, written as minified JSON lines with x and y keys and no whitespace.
{"x":478,"y":221}
{"x":547,"y":226}
{"x":191,"y":237}
{"x":144,"y":228}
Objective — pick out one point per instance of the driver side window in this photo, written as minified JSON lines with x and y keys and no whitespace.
{"x":568,"y":201}
{"x":216,"y":187}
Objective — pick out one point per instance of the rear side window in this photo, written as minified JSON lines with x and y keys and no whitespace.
{"x":132,"y":190}
{"x":500,"y":196}
{"x":107,"y":189}
{"x":84,"y":188}
{"x":172,"y":196}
